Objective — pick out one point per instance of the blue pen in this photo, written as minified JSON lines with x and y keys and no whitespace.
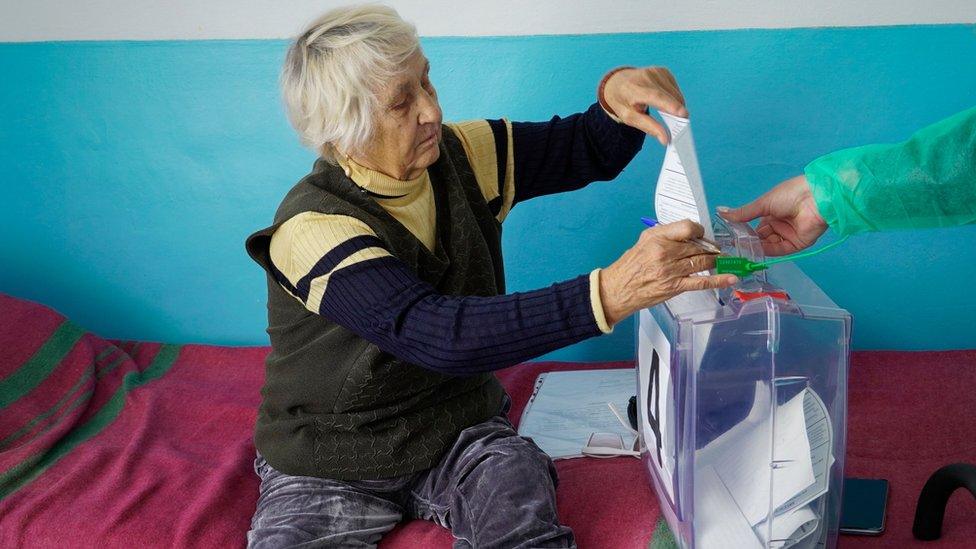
{"x":702,"y":243}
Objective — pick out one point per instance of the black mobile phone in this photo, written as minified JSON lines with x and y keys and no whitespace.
{"x":863,"y":508}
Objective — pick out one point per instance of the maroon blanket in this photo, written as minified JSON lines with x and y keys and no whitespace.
{"x":128,"y":444}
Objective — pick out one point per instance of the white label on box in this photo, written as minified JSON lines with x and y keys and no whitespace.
{"x":657,"y":403}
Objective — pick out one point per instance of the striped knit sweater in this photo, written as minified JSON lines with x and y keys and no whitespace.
{"x":339,"y":267}
{"x":535,"y":159}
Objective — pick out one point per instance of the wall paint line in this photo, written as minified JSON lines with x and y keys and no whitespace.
{"x":44,"y":20}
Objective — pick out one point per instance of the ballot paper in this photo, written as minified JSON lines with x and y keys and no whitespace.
{"x":721,"y":525}
{"x":789,"y":528}
{"x":679,"y":193}
{"x":819,"y":433}
{"x":726,"y":527}
{"x":748,"y":485}
{"x":567,"y":407}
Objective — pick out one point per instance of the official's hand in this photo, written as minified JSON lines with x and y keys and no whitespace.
{"x":790,"y":219}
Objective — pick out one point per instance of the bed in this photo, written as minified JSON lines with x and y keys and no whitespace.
{"x":136,"y":444}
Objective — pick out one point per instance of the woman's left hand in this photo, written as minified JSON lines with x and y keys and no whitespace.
{"x":630,"y":92}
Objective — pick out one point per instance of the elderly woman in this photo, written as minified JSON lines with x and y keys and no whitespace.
{"x":386,"y":296}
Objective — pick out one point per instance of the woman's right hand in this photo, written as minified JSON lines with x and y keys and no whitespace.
{"x":657,"y":268}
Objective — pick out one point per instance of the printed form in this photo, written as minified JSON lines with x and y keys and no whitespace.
{"x":736,"y":470}
{"x":567,"y":407}
{"x":680,"y":193}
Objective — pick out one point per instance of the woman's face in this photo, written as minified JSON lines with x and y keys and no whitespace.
{"x":408,"y":125}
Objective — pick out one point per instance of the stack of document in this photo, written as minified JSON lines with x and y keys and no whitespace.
{"x":567,"y":407}
{"x":740,"y":484}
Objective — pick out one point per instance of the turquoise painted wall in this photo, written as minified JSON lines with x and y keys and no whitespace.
{"x":131,"y":172}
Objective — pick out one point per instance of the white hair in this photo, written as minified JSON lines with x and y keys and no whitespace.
{"x":333,"y":70}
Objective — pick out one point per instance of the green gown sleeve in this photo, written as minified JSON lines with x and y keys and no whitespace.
{"x":927,"y":181}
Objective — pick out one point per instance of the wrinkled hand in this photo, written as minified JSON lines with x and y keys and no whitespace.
{"x":790,"y":219}
{"x":630,"y":92}
{"x":656,"y":269}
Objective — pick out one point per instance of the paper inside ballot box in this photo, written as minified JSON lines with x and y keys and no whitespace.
{"x":737,"y":482}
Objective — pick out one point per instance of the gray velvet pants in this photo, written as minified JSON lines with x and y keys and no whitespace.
{"x":492,"y":489}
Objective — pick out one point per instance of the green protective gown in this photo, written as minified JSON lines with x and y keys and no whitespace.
{"x":927,"y":181}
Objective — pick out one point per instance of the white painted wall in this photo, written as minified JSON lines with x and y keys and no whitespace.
{"x":39,"y":20}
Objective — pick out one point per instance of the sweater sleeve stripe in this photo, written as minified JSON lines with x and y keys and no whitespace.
{"x":327,"y":263}
{"x":488,"y":145}
{"x":308,"y":248}
{"x":283,"y":280}
{"x":317,"y":290}
{"x":500,"y":132}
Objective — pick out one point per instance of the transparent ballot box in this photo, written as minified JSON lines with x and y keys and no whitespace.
{"x":742,"y":405}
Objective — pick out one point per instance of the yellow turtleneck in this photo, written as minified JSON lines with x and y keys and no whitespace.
{"x":411,"y":202}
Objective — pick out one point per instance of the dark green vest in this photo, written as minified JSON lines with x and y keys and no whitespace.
{"x":337,"y":406}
